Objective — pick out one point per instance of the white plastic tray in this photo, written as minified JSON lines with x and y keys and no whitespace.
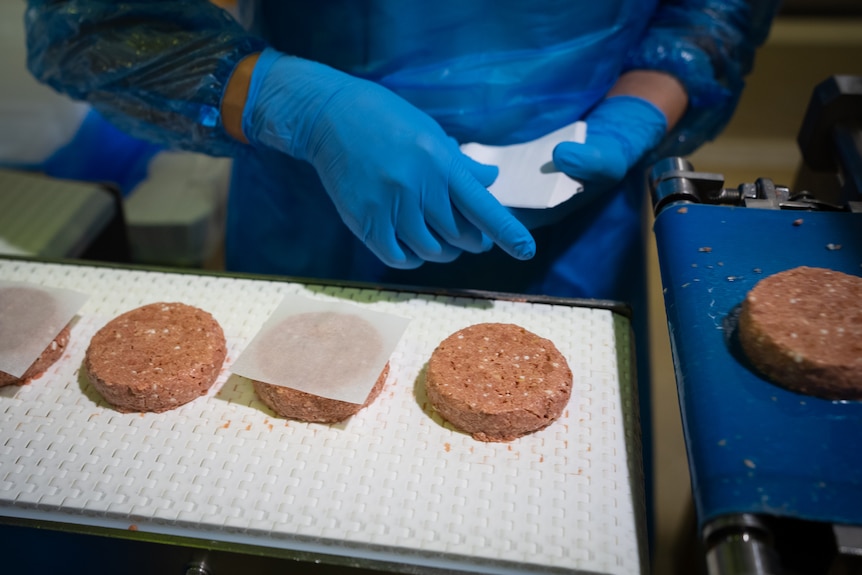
{"x":395,"y":484}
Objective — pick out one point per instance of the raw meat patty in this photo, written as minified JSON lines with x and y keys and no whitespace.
{"x":318,"y":348}
{"x":156,"y":357}
{"x":498,"y":381}
{"x":802,"y":328}
{"x":294,"y":404}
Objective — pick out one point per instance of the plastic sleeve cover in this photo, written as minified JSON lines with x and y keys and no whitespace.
{"x":709,"y":46}
{"x":157,"y":70}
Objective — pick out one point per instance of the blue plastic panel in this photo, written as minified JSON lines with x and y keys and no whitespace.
{"x":753,"y":446}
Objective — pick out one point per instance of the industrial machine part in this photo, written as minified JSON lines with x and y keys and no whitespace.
{"x":830,"y":138}
{"x":775,"y":482}
{"x":674,"y":180}
{"x":740,"y":544}
{"x":742,"y":432}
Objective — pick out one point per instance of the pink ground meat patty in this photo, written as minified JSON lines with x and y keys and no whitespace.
{"x":156,"y":357}
{"x":498,"y":381}
{"x":299,"y":405}
{"x":802,"y":329}
{"x":47,"y":358}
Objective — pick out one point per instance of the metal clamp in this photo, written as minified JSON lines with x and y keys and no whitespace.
{"x":674,"y":181}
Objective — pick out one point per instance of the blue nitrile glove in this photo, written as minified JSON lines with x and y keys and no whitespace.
{"x":398,"y":181}
{"x":620,"y":130}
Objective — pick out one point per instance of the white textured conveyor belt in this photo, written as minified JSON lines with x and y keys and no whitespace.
{"x":394,"y":483}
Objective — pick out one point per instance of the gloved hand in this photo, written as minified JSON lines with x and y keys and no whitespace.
{"x":620,"y":130}
{"x":398,"y":181}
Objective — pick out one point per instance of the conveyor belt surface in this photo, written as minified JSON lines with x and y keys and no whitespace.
{"x":394,"y":485}
{"x":754,"y":447}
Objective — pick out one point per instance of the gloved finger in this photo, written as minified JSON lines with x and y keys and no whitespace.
{"x":413,"y":232}
{"x":482,"y":209}
{"x":485,"y":173}
{"x":600,"y":161}
{"x":470,"y":238}
{"x":449,"y":253}
{"x":400,"y":258}
{"x":453,"y":228}
{"x":383,"y":243}
{"x":444,"y":218}
{"x":442,"y":252}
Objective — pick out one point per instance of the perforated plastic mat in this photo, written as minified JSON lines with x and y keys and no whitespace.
{"x":395,"y":484}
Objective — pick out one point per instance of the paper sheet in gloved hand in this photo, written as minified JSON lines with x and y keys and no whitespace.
{"x":528,"y":178}
{"x":331,"y":349}
{"x":31,"y":316}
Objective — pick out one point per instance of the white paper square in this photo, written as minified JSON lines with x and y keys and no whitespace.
{"x":528,"y":177}
{"x":327,"y":348}
{"x":31,"y":316}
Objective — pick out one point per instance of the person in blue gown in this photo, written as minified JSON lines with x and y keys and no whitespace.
{"x":344,"y":118}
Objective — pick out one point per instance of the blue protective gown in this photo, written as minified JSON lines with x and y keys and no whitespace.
{"x":490,"y":71}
